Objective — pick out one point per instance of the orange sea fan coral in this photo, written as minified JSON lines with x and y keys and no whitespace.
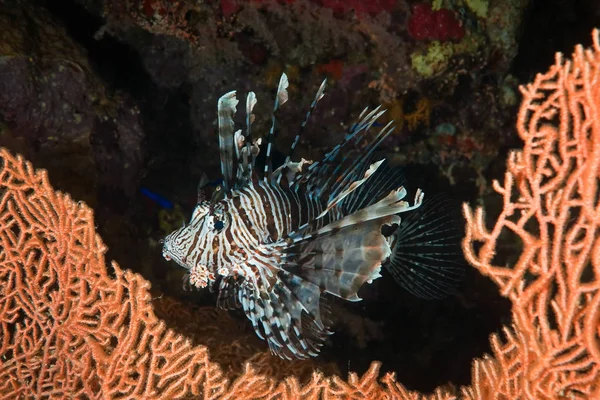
{"x":68,"y":327}
{"x":552,"y":204}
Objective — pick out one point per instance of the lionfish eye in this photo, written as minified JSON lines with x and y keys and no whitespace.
{"x":219,"y":225}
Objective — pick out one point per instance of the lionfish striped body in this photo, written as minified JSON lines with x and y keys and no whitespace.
{"x":277,"y":246}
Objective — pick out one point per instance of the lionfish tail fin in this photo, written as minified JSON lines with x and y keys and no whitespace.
{"x":426,"y":256}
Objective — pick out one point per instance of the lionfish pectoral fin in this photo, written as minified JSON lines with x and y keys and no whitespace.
{"x":342,"y":260}
{"x":228,"y":298}
{"x":426,"y":256}
{"x":341,"y":256}
{"x":290,"y":315}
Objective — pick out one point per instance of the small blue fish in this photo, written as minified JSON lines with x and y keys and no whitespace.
{"x":280,"y":243}
{"x":157,"y":198}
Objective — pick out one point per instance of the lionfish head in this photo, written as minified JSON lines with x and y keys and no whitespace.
{"x":174,"y":245}
{"x":193,"y":243}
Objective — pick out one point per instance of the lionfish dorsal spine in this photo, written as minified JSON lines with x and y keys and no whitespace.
{"x":351,"y":188}
{"x":354,"y":130}
{"x":320,"y":174}
{"x":280,"y":99}
{"x":226,"y":108}
{"x":318,"y":96}
{"x":350,"y":173}
{"x":247,"y":154}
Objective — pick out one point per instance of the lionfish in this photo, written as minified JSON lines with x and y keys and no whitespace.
{"x":277,"y":244}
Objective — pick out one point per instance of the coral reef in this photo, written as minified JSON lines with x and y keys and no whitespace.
{"x":356,"y":44}
{"x":441,"y":24}
{"x":73,"y":327}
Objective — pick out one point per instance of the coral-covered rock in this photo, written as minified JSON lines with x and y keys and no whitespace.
{"x":52,"y":98}
{"x":426,"y":23}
